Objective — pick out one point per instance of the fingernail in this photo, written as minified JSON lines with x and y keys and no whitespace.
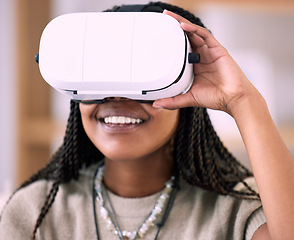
{"x":166,"y":11}
{"x":157,"y":106}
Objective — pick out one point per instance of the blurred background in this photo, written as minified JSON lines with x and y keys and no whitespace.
{"x":259,"y":34}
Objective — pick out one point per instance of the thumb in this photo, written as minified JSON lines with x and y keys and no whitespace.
{"x":180,"y":101}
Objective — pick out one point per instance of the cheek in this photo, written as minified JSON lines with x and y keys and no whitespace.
{"x":88,"y":120}
{"x":166,"y":125}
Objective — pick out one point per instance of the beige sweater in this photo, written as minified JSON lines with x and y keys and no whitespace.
{"x":196,"y":214}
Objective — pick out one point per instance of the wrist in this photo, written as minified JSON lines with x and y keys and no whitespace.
{"x":246,"y":103}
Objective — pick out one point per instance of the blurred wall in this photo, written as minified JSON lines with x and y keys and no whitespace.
{"x":67,"y":6}
{"x":260,"y":40}
{"x":7,"y":93}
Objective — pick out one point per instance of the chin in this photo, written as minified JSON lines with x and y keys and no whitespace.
{"x":125,"y":153}
{"x":120,"y":156}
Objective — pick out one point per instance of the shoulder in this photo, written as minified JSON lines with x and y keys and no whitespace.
{"x":19,"y":215}
{"x":221,"y":215}
{"x":33,"y":195}
{"x":21,"y":212}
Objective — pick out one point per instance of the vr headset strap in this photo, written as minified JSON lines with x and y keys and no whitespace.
{"x":131,"y":8}
{"x":139,"y":8}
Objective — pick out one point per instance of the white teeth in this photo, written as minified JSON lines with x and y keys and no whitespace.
{"x":122,"y":120}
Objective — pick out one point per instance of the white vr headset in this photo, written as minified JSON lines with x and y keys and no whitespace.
{"x":137,"y":55}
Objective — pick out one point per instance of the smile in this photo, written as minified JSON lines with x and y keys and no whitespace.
{"x":121,"y":120}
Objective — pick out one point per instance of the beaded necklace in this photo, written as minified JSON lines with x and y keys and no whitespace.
{"x":164,"y":202}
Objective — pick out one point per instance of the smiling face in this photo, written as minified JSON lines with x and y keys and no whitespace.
{"x":127,"y":130}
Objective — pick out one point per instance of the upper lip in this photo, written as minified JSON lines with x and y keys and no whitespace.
{"x":121,"y":109}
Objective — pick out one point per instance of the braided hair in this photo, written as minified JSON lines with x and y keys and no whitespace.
{"x":201,"y":158}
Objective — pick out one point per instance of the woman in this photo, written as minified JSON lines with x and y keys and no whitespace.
{"x":129,"y":170}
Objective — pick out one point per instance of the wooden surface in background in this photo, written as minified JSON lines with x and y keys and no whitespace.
{"x":33,"y":103}
{"x":272,"y":6}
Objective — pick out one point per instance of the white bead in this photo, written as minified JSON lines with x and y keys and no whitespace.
{"x":103,"y":212}
{"x":157,"y":209}
{"x":108,"y":221}
{"x":152,"y":218}
{"x":133,"y":235}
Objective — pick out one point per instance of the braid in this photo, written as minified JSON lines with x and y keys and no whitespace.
{"x":203,"y":160}
{"x":48,"y":203}
{"x":76,"y":152}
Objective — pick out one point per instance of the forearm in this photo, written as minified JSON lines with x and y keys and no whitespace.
{"x":272,"y":164}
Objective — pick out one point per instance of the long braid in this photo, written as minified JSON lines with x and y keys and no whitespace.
{"x":201,"y":157}
{"x":233,"y":169}
{"x":67,"y":161}
{"x":203,"y":160}
{"x":47,"y":205}
{"x":59,"y":161}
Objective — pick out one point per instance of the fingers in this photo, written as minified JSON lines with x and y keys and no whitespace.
{"x":179,"y":18}
{"x":198,"y":36}
{"x":195,"y":31}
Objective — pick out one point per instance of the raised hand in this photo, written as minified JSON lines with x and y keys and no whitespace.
{"x":218,"y":83}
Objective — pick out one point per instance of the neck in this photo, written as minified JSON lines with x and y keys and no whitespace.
{"x":139,"y":177}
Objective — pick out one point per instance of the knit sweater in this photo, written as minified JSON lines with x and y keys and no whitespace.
{"x":196,"y":214}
